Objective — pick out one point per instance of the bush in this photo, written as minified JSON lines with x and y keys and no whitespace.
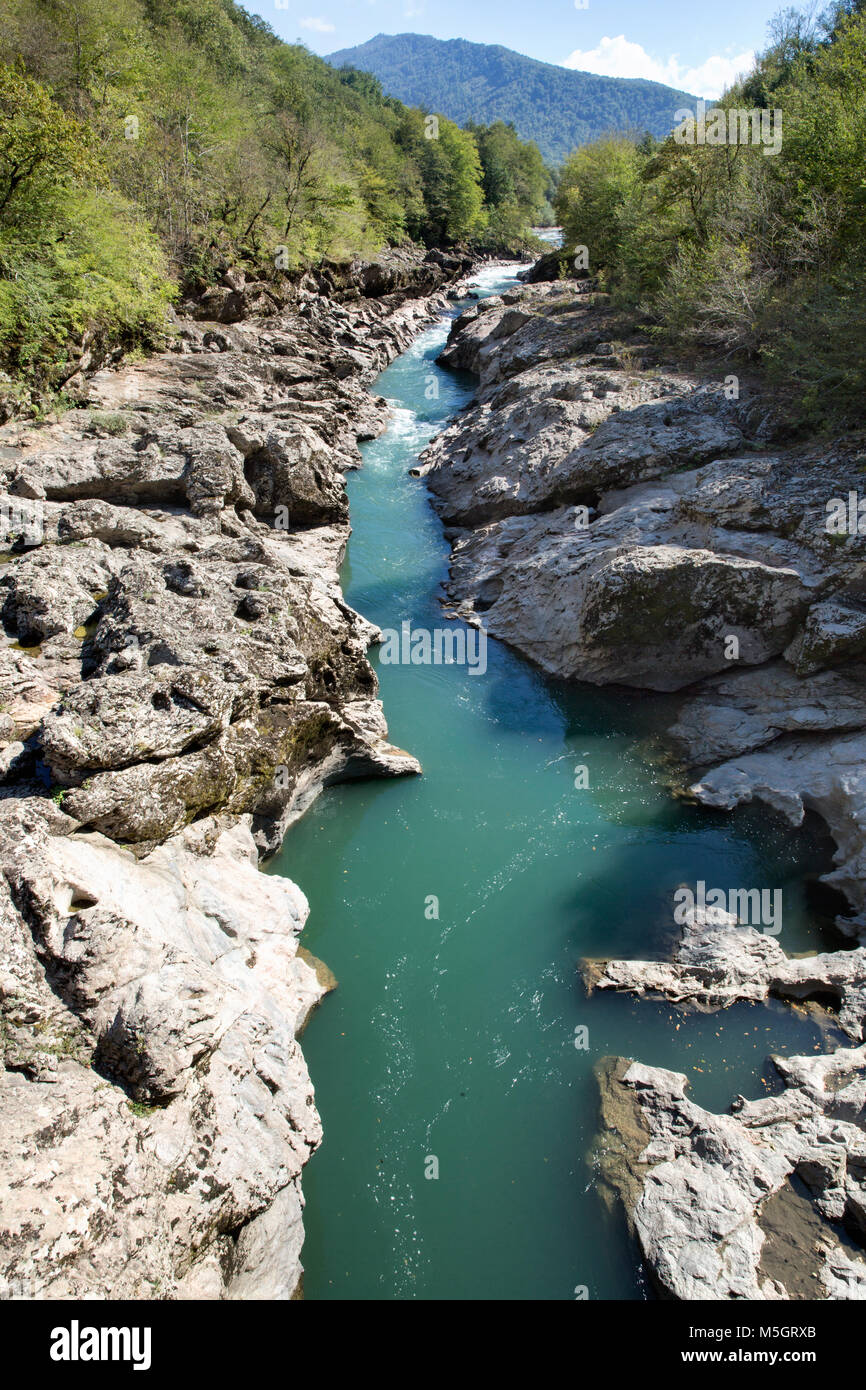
{"x":743,"y":253}
{"x":76,"y":263}
{"x":90,"y":273}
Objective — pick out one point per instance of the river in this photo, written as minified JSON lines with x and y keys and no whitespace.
{"x":452,"y":1038}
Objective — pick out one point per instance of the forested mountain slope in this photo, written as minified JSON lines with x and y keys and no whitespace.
{"x":554,"y":106}
{"x":147,"y":143}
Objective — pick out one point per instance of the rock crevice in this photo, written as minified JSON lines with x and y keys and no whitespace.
{"x":623,"y":521}
{"x":180,"y":676}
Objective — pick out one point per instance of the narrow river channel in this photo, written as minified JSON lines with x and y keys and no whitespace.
{"x":453,"y":1038}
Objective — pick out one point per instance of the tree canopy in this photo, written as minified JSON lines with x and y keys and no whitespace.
{"x":741,"y":250}
{"x":158,"y":140}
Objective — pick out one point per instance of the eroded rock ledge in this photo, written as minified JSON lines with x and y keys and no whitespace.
{"x":179,"y":678}
{"x":768,"y":1202}
{"x":719,"y":962}
{"x":617,"y":524}
{"x":620,"y":520}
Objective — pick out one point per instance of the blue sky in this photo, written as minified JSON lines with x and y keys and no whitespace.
{"x":695,"y":47}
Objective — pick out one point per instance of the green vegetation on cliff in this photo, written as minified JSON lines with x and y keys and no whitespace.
{"x":746,"y":252}
{"x":146,"y":143}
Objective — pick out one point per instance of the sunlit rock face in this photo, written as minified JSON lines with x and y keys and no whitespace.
{"x":180,"y":679}
{"x":620,"y":521}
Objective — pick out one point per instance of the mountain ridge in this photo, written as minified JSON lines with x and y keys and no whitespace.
{"x":558,"y":108}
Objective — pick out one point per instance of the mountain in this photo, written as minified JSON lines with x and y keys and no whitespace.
{"x":556,"y":107}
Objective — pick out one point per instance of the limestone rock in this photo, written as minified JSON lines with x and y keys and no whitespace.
{"x":181,"y":663}
{"x":134,"y":716}
{"x":792,"y":775}
{"x":164,"y":1104}
{"x":833,"y":633}
{"x":712,"y":1199}
{"x":719,"y":962}
{"x":599,"y":605}
{"x":618,"y":525}
{"x":747,"y":710}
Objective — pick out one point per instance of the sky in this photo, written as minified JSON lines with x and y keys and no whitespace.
{"x":697,"y":48}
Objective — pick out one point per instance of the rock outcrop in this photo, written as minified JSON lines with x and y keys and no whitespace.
{"x":157,"y":1111}
{"x":719,"y":962}
{"x":616,"y":524}
{"x":180,"y":677}
{"x":623,"y":521}
{"x":707,"y":1224}
{"x":765,"y":1203}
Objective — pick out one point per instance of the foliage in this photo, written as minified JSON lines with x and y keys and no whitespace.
{"x":550,"y":105}
{"x":74,"y":256}
{"x":743,"y":252}
{"x":148,"y":144}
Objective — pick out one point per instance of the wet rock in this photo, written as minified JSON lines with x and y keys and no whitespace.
{"x":553,"y":265}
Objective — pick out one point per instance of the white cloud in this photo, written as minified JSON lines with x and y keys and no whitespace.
{"x":620,"y":58}
{"x":320,"y":26}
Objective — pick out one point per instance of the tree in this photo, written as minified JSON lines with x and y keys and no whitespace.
{"x":41,"y":147}
{"x":464,"y":194}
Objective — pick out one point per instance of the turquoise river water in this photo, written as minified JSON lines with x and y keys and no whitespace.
{"x":453,"y":1038}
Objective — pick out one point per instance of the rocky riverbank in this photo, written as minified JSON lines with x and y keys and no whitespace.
{"x":179,"y":678}
{"x":621,"y":520}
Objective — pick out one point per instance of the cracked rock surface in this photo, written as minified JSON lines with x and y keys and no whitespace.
{"x":622,"y":525}
{"x":179,"y":677}
{"x":623,"y":521}
{"x":765,"y":1203}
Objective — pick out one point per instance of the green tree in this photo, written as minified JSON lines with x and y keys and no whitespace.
{"x":41,"y":147}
